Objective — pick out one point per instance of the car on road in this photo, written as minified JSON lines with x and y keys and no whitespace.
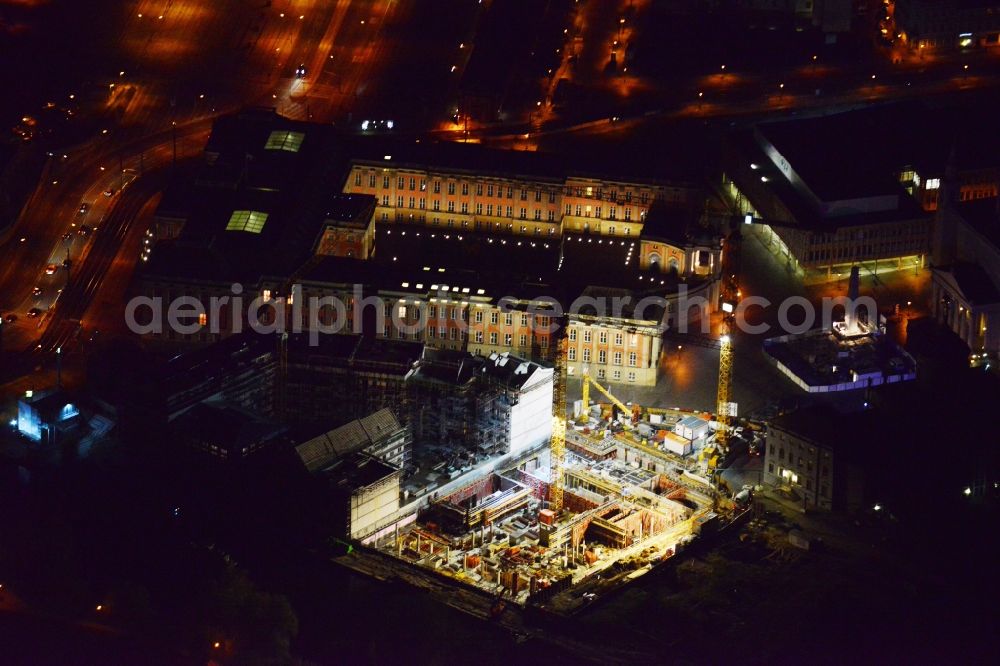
{"x":67,"y":236}
{"x":34,"y":312}
{"x":11,"y":318}
{"x":67,"y":262}
{"x":85,"y":230}
{"x":84,"y":207}
{"x":300,"y":72}
{"x":51,"y":269}
{"x":110,"y":192}
{"x":36,"y":292}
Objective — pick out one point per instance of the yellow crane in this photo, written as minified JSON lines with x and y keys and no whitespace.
{"x":724,"y":394}
{"x":587,"y":381}
{"x":557,"y":446}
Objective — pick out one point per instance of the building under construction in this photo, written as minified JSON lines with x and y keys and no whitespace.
{"x":492,"y":405}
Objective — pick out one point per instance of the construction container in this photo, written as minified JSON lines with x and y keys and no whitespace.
{"x":676,"y":444}
{"x":589,"y":556}
{"x":471,"y":561}
{"x":547,"y":516}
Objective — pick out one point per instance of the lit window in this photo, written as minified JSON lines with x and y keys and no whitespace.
{"x":933,"y":183}
{"x":282,"y":140}
{"x":247,"y":220}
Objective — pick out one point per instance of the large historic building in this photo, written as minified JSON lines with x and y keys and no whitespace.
{"x":456,"y":246}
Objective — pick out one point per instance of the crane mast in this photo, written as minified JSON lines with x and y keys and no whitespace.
{"x":557,"y":446}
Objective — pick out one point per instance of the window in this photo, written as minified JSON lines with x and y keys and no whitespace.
{"x":432,"y":312}
{"x":508,"y":339}
{"x":510,"y":213}
{"x":618,"y":358}
{"x":618,"y":339}
{"x":617,"y":374}
{"x":612,"y":214}
{"x":413,"y":183}
{"x":399,"y":202}
{"x":479,"y":189}
{"x":602,"y":337}
{"x":479,"y":336}
{"x":489,"y":190}
{"x":489,"y":209}
{"x":572,"y":335}
{"x":437,"y":205}
{"x":357,"y":179}
{"x":385,"y":182}
{"x":538,"y":195}
{"x":523,"y":340}
{"x":933,"y":183}
{"x":452,"y":313}
{"x":479,"y":316}
{"x":523,"y":215}
{"x":579,"y":210}
{"x":538,"y":215}
{"x":510,"y":192}
{"x":423,"y":185}
{"x":479,"y":209}
{"x":631,"y":376}
{"x":493,"y":338}
{"x":524,"y":194}
{"x":586,"y":335}
{"x":552,"y":218}
{"x":632,"y":357}
{"x":411,"y":202}
{"x":508,"y":319}
{"x":203,"y":319}
{"x":282,"y":140}
{"x":451,"y":188}
{"x":247,"y":220}
{"x":552,"y":197}
{"x":400,"y":183}
{"x":442,"y":332}
{"x":571,"y":353}
{"x":628,"y":213}
{"x":586,"y":355}
{"x":465,"y":188}
{"x":602,"y":356}
{"x":451,"y":206}
{"x":633,"y":340}
{"x":423,"y":203}
{"x":437,"y":187}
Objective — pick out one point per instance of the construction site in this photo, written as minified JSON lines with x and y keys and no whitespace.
{"x":605,"y":493}
{"x":615,"y":491}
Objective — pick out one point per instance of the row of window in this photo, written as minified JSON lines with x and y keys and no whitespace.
{"x":491,"y":190}
{"x":602,"y":357}
{"x":602,"y":337}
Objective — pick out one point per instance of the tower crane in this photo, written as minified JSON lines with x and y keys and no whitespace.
{"x":730,"y":295}
{"x":557,"y":446}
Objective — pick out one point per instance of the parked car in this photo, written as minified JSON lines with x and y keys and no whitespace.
{"x":110,"y":192}
{"x":84,"y":207}
{"x":11,"y":318}
{"x":34,"y":312}
{"x":51,"y":269}
{"x":85,"y":230}
{"x":36,"y":292}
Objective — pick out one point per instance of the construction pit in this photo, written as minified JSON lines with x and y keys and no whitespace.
{"x":629,"y":503}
